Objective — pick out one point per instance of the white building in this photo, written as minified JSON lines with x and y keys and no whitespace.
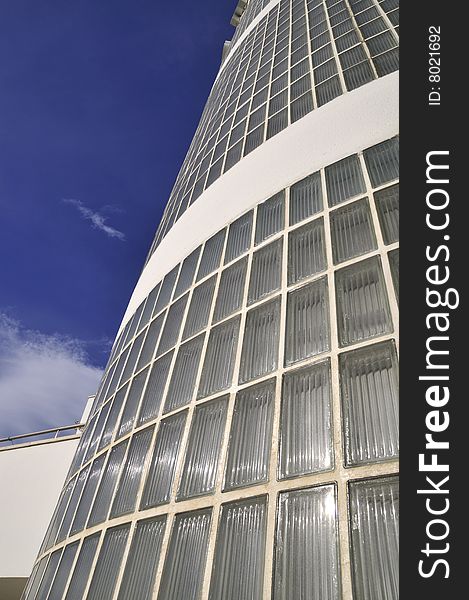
{"x":243,"y":443}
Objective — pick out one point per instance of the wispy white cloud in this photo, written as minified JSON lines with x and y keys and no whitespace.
{"x":97,"y":220}
{"x":44,"y":379}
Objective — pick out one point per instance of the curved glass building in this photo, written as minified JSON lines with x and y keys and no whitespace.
{"x":243,"y":443}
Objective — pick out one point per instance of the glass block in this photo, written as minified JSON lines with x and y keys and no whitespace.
{"x":134,"y":323}
{"x":305,"y":198}
{"x":108,"y":564}
{"x":394,"y":264}
{"x":387,"y":205}
{"x":149,"y":306}
{"x":118,"y":372}
{"x":382,"y":161}
{"x":154,"y":391}
{"x":306,"y":422}
{"x":217,"y":372}
{"x":374,"y":530}
{"x":79,"y":580}
{"x":239,"y":237}
{"x":249,"y":444}
{"x":51,"y":535}
{"x":306,"y":251}
{"x":238,"y":569}
{"x":187,"y":272}
{"x":72,"y":505}
{"x":266,"y":271}
{"x":362,"y":303}
{"x":151,"y":340}
{"x":126,"y":494}
{"x":49,"y":574}
{"x":370,"y":403}
{"x":199,"y":310}
{"x":344,"y":180}
{"x":63,"y":572}
{"x":132,"y":402}
{"x":211,"y":255}
{"x":87,"y":496}
{"x":98,"y":430}
{"x":182,"y":385}
{"x":172,"y":325}
{"x":231,"y":290}
{"x":144,"y":554}
{"x":270,"y":217}
{"x":160,"y":476}
{"x":352,"y":231}
{"x":203,"y":449}
{"x":102,"y":502}
{"x":306,"y":563}
{"x":261,"y":338}
{"x":184,"y":567}
{"x":307,"y":329}
{"x":133,"y":356}
{"x":166,"y":290}
{"x":112,"y":418}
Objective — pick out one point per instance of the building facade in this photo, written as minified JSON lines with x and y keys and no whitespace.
{"x":243,"y":443}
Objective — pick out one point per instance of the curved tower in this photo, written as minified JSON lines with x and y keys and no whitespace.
{"x":243,"y":443}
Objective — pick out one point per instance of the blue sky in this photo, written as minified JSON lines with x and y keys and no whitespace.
{"x":98,"y":104}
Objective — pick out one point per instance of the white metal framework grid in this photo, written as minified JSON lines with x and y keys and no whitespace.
{"x":322,"y":251}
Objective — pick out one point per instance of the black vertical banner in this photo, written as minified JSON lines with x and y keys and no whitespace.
{"x":434,"y":267}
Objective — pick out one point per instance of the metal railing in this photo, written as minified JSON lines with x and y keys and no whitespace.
{"x":56,"y":431}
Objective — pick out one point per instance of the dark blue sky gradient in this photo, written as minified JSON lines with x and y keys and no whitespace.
{"x":99,"y":101}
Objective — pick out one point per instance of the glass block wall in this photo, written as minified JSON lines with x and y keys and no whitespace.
{"x":243,"y":443}
{"x":287,"y":58}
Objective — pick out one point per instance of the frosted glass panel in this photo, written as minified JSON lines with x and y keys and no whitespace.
{"x":166,"y":290}
{"x":131,"y":404}
{"x":140,"y":570}
{"x":103,"y":498}
{"x":102,"y":416}
{"x":387,"y":205}
{"x":148,"y":349}
{"x":306,"y":251}
{"x":306,"y":549}
{"x":199,"y":310}
{"x":374,"y":508}
{"x":108,"y":564}
{"x":49,"y":574}
{"x":382,"y":161}
{"x":270,"y":217}
{"x":149,"y":306}
{"x":266,"y":271}
{"x":133,"y":356}
{"x":250,"y":436}
{"x":172,"y":325}
{"x":370,"y":403}
{"x":362,"y":302}
{"x":133,"y":325}
{"x":230,"y":290}
{"x":203,"y":449}
{"x":155,"y":388}
{"x":117,"y":372}
{"x":163,"y":463}
{"x":182,"y":386}
{"x":394,"y":264}
{"x":63,"y":572}
{"x":217,"y":372}
{"x":352,"y":231}
{"x":186,"y":275}
{"x":238,"y":570}
{"x":305,"y":422}
{"x":261,"y":338}
{"x":126,"y":494}
{"x":344,"y":179}
{"x":305,"y":198}
{"x":79,"y":580}
{"x":72,"y":505}
{"x":239,"y":237}
{"x":113,"y":416}
{"x":54,"y":525}
{"x":307,"y":331}
{"x":184,"y":566}
{"x":88,"y":495}
{"x":211,"y":255}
